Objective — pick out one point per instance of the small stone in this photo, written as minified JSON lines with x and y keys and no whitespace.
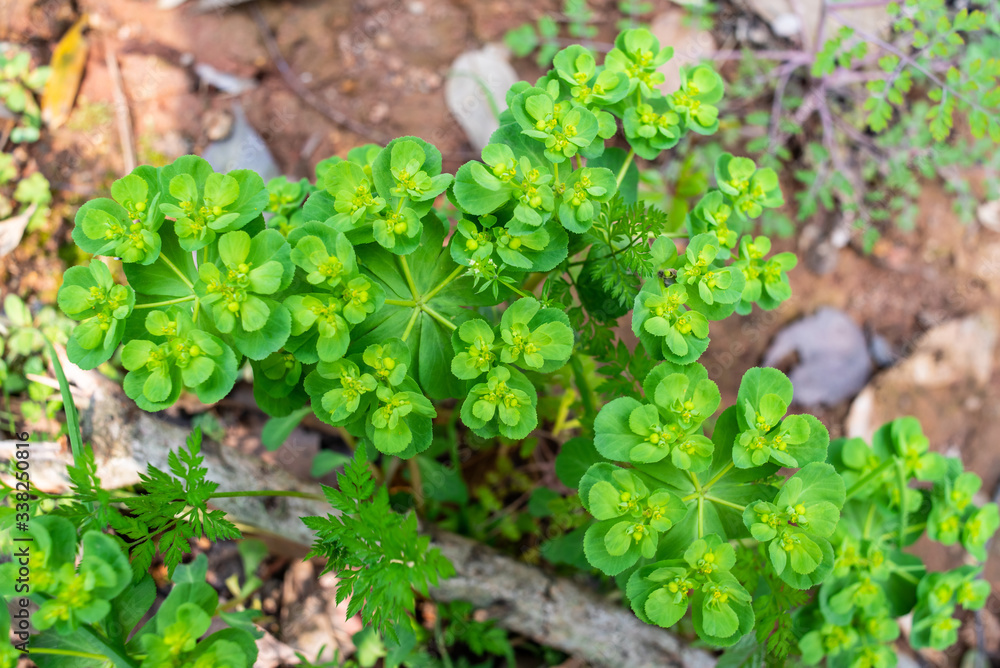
{"x":379,"y":112}
{"x":242,"y":149}
{"x":988,"y":214}
{"x":218,"y":124}
{"x":393,"y":63}
{"x":758,"y":34}
{"x":475,"y":78}
{"x":949,"y":363}
{"x":881,"y":351}
{"x":787,"y":25}
{"x":833,"y":357}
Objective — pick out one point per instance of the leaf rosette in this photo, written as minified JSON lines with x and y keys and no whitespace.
{"x":177,"y":355}
{"x":89,"y":294}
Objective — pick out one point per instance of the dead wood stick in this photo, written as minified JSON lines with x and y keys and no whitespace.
{"x":122,"y":114}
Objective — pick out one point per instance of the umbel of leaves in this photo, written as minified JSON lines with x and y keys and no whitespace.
{"x":248,"y":272}
{"x":125,"y":226}
{"x":630,"y":517}
{"x":205,"y":204}
{"x":797,"y":524}
{"x":71,"y":594}
{"x":766,"y":435}
{"x":682,"y":398}
{"x":176,"y":355}
{"x":90,"y":295}
{"x":382,"y":402}
{"x":662,"y":592}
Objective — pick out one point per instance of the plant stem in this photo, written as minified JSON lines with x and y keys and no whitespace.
{"x":67,"y":652}
{"x":410,"y":323}
{"x":409,"y":277}
{"x":625,"y":166}
{"x":179,"y":300}
{"x":437,"y":316}
{"x":694,"y":481}
{"x":266,"y":492}
{"x":234,"y":495}
{"x":180,"y":274}
{"x":723,"y":502}
{"x":871,"y":475}
{"x":514,"y":288}
{"x":586,"y":395}
{"x":718,"y":476}
{"x":440,"y":286}
{"x":901,"y":482}
{"x":401,"y":302}
{"x":532,"y":281}
{"x":789,"y":56}
{"x":906,"y":576}
{"x":440,"y":642}
{"x":868,"y":522}
{"x":416,"y":481}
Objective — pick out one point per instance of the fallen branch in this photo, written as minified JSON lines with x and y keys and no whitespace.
{"x":551,"y":610}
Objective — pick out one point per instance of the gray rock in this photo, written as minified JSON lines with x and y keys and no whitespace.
{"x":225,"y":82}
{"x":242,"y":149}
{"x":956,"y":354}
{"x":988,"y":214}
{"x":833,"y":357}
{"x":881,"y":351}
{"x":476,"y":91}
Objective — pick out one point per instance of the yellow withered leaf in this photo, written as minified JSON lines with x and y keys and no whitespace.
{"x":68,"y":61}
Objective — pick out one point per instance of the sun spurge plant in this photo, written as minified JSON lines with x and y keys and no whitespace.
{"x":366,"y":298}
{"x":90,"y":608}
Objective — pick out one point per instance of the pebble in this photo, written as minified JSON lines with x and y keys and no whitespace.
{"x":466,"y":98}
{"x":833,"y":357}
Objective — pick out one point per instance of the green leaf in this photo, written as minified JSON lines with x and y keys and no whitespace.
{"x":575,"y":457}
{"x":430,"y":265}
{"x":757,"y":383}
{"x":614,"y":437}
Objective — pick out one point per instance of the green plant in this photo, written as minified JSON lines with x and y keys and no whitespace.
{"x":580,"y":26}
{"x":377,"y":554}
{"x":91,"y":609}
{"x":19,"y":83}
{"x":22,"y":346}
{"x":32,"y":191}
{"x":367,"y":306}
{"x":923,"y":103}
{"x":92,"y":604}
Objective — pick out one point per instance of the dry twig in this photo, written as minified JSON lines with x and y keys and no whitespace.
{"x":293,"y":81}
